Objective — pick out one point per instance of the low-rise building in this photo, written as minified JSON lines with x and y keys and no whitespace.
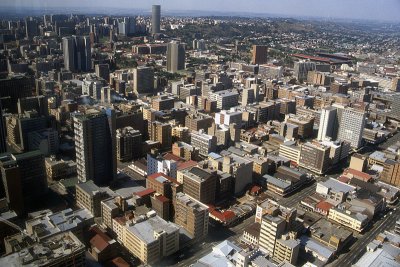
{"x":150,"y":239}
{"x":62,"y":249}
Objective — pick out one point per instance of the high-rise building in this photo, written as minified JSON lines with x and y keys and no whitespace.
{"x":260,"y":54}
{"x":315,"y":157}
{"x":204,"y":142}
{"x":31,"y":28}
{"x":3,"y":144}
{"x":15,"y":87}
{"x":77,"y":53}
{"x":94,"y":148}
{"x":225,"y":99}
{"x":191,"y":215}
{"x":129,"y":142}
{"x":272,"y":228}
{"x":302,"y":68}
{"x":351,"y":126}
{"x":161,"y":132}
{"x":175,"y":56}
{"x":155,"y":19}
{"x":200,"y":184}
{"x":328,"y":124}
{"x":143,"y":80}
{"x":24,"y":179}
{"x":103,"y":71}
{"x":69,"y":53}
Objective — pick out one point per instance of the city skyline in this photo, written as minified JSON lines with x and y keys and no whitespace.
{"x":379,"y":10}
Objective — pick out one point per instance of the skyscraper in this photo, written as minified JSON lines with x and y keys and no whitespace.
{"x":94,"y":146}
{"x":260,"y":54}
{"x":3,"y":146}
{"x":77,"y":53}
{"x":143,"y":80}
{"x":31,"y":28}
{"x":328,"y":124}
{"x":175,"y":56}
{"x":155,"y":19}
{"x":24,"y":179}
{"x":69,"y":53}
{"x":351,"y":126}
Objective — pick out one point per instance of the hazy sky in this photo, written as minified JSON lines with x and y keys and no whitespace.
{"x":359,"y":9}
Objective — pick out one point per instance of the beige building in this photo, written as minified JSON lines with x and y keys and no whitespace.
{"x":352,"y":220}
{"x":358,"y":162}
{"x":89,"y":196}
{"x":191,"y":215}
{"x":290,"y":151}
{"x":199,"y":183}
{"x":286,"y":250}
{"x":272,"y":228}
{"x":59,"y":169}
{"x":151,"y":239}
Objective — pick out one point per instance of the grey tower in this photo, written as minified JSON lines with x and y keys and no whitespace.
{"x":3,"y":147}
{"x":175,"y":57}
{"x":77,"y":53}
{"x":69,"y":52}
{"x":94,"y":144}
{"x":155,"y":19}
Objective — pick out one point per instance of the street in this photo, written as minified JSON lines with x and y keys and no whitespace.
{"x":357,"y":249}
{"x":190,"y":255}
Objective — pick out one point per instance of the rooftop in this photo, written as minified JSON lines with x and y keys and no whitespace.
{"x":45,"y":253}
{"x":337,"y":186}
{"x":145,"y":230}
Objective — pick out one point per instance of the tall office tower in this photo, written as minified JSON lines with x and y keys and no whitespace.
{"x":127,"y":27}
{"x":328,"y":124}
{"x":77,"y":53}
{"x":143,"y":80}
{"x":192,"y":215}
{"x":175,"y":56}
{"x":3,"y":145}
{"x":31,"y":28}
{"x":155,"y":19}
{"x":83,"y":54}
{"x":260,"y":54}
{"x":129,"y":142}
{"x":69,"y":53}
{"x":248,"y":96}
{"x":94,"y":146}
{"x":351,"y":126}
{"x":24,"y":179}
{"x":103,"y":71}
{"x":302,"y":68}
{"x":13,"y":88}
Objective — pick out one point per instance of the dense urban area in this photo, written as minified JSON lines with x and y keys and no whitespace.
{"x":198,"y":141}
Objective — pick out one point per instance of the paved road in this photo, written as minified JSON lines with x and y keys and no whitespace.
{"x":357,"y":249}
{"x":192,"y":254}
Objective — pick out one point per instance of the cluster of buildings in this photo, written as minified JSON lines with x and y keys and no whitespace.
{"x":146,"y":141}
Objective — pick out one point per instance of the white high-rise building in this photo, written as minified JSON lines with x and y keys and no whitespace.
{"x":328,"y":124}
{"x":351,"y":126}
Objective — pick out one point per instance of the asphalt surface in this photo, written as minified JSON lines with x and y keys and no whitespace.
{"x":217,"y":234}
{"x":358,"y":248}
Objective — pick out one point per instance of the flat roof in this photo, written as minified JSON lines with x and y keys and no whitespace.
{"x":145,"y":230}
